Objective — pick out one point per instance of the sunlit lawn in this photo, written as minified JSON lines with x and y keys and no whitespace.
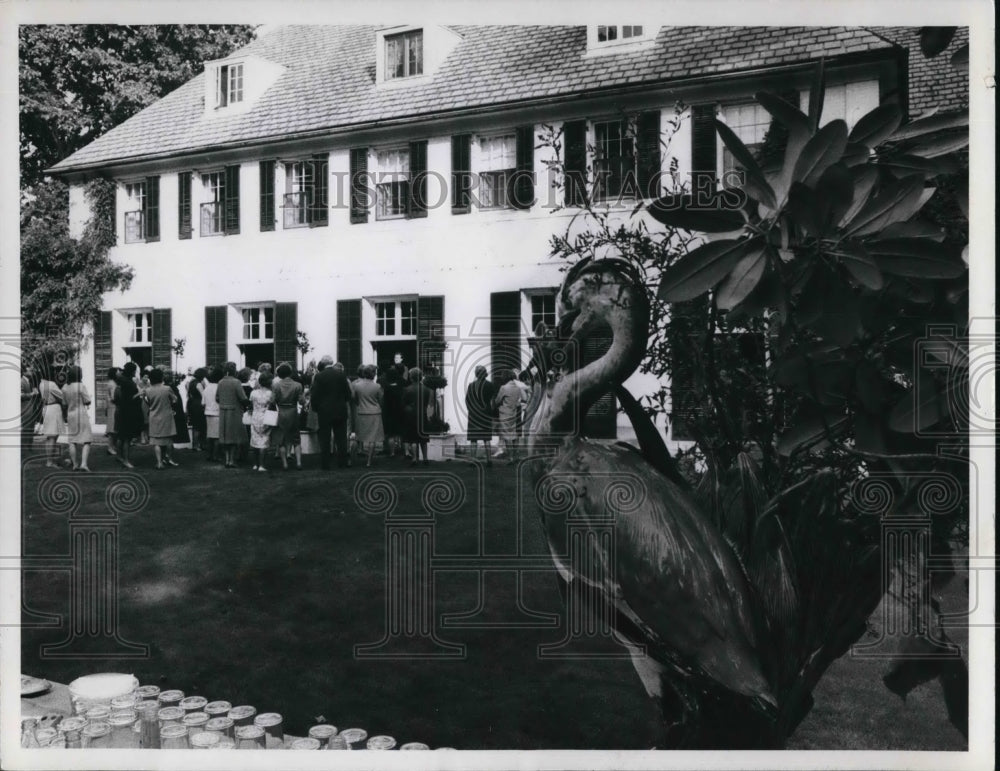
{"x":256,"y":588}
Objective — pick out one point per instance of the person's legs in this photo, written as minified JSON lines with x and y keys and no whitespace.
{"x":85,"y":456}
{"x":123,"y":451}
{"x":112,"y":442}
{"x":340,"y":440}
{"x":325,"y":427}
{"x":72,"y":455}
{"x":298,"y":455}
{"x":158,"y":452}
{"x":51,"y":454}
{"x":423,"y":451}
{"x":371,"y":453}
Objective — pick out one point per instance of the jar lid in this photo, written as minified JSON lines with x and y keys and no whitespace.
{"x":125,"y":717}
{"x":193,"y":702}
{"x":46,"y":734}
{"x":306,"y":743}
{"x":249,"y":732}
{"x":194,"y":718}
{"x":96,"y":729}
{"x":323,"y":731}
{"x":72,"y":724}
{"x":204,"y":740}
{"x":171,"y":695}
{"x":147,"y":691}
{"x":267,"y":719}
{"x":218,"y":706}
{"x":381,"y":743}
{"x":219,"y":724}
{"x":170,"y":713}
{"x":414,"y":746}
{"x":337,"y":743}
{"x":354,"y":735}
{"x":242,"y":712}
{"x":97,"y":713}
{"x":173,"y":731}
{"x":119,"y":702}
{"x":225,"y":743}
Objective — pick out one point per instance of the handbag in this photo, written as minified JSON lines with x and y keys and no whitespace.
{"x":247,"y":419}
{"x":271,"y":418}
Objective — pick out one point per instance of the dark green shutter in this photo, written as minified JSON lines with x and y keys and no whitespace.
{"x":601,"y":420}
{"x":162,"y":340}
{"x":232,"y":200}
{"x":522,"y":194}
{"x":285,"y":329}
{"x":416,"y":204}
{"x":349,"y":334}
{"x":648,"y":162}
{"x":102,"y":363}
{"x":505,"y":331}
{"x":215,"y":335}
{"x":430,"y":331}
{"x":151,"y":209}
{"x":266,"y":196}
{"x":704,"y":158}
{"x":319,"y":204}
{"x":359,"y":185}
{"x":184,"y":205}
{"x":575,"y":162}
{"x":461,"y":174}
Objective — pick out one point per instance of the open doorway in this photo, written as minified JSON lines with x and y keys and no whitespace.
{"x":386,"y":350}
{"x":255,"y":354}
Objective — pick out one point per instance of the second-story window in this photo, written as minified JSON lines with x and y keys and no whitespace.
{"x":614,"y":159}
{"x":392,"y":183}
{"x":305,"y":200}
{"x":229,"y":85}
{"x":213,"y":205}
{"x":142,"y":210}
{"x":404,"y":55}
{"x":750,"y":123}
{"x":498,"y":162}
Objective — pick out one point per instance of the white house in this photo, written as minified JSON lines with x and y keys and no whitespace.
{"x":379,"y":188}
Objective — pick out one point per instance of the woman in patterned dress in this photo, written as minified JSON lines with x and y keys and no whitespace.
{"x":261,"y":398}
{"x":78,"y":431}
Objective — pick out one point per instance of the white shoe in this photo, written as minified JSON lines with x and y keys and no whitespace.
{"x":499,"y":454}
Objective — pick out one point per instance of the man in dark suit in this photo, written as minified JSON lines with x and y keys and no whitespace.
{"x":331,"y":396}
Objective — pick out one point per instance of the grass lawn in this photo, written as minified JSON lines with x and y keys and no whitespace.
{"x":256,"y":588}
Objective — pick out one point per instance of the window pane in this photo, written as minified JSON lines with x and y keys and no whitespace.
{"x":498,"y":153}
{"x":408,"y":318}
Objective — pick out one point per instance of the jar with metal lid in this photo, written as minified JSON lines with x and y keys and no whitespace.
{"x":149,"y":725}
{"x":122,"y":735}
{"x":251,"y":737}
{"x":98,"y":713}
{"x":47,"y":737}
{"x":355,"y":738}
{"x":306,"y":743}
{"x":170,"y":715}
{"x":324,"y":732}
{"x":381,"y":743}
{"x":223,"y":726}
{"x":195,"y":722}
{"x":217,"y":708}
{"x":72,"y":739}
{"x":204,"y":740}
{"x":274,"y":725}
{"x":225,"y":743}
{"x":414,"y":746}
{"x":337,"y":743}
{"x":147,"y":692}
{"x":174,"y":736}
{"x":121,"y":703}
{"x":170,"y":698}
{"x":193,"y":704}
{"x":243,"y":714}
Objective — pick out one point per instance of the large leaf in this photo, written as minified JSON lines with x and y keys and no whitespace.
{"x":710,"y":216}
{"x":960,"y":59}
{"x":703,"y":268}
{"x":861,"y":266}
{"x":771,"y":565}
{"x":916,"y":258}
{"x":910,"y":229}
{"x":930,"y":124}
{"x":855,"y":154}
{"x":834,"y":194}
{"x":742,"y":280}
{"x":940,"y":145}
{"x":930,"y":167}
{"x":756,"y":184}
{"x":933,"y":40}
{"x":876,"y":126}
{"x":804,"y":209}
{"x":864,"y":178}
{"x":920,"y":408}
{"x":823,"y":150}
{"x":811,"y":432}
{"x":798,"y":135}
{"x":893,"y":203}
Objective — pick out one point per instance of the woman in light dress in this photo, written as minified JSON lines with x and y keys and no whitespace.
{"x":160,"y":401}
{"x":78,"y":430}
{"x":110,"y":385}
{"x":368,"y":404}
{"x":52,"y":418}
{"x":261,"y":398}
{"x":507,"y":402}
{"x":212,"y":410}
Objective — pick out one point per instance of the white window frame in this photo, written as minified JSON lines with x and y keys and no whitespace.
{"x":527,"y":305}
{"x":742,"y":130}
{"x":246,"y":311}
{"x":387,"y":179}
{"x":597,"y":46}
{"x":135,"y":202}
{"x":628,"y":124}
{"x":213,"y":187}
{"x":229,"y":83}
{"x":139,"y":322}
{"x":489,"y":169}
{"x":405,"y":37}
{"x":398,"y":302}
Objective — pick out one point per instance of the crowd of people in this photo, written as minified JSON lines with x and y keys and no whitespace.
{"x":234,"y":416}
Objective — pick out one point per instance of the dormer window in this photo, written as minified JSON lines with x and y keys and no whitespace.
{"x":229,"y":85}
{"x":608,"y":38}
{"x":614,"y":32}
{"x":404,"y":54}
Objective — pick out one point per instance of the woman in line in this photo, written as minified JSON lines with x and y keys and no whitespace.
{"x":261,"y":399}
{"x":128,"y":412}
{"x":508,"y":403}
{"x":160,"y":400}
{"x":181,"y":435}
{"x":479,"y":406}
{"x":143,"y":384}
{"x":52,"y":418}
{"x":196,"y":407}
{"x":369,"y":401}
{"x":417,"y":404}
{"x":109,"y":431}
{"x":212,"y":411}
{"x":232,"y":402}
{"x":78,"y":430}
{"x":248,"y":380}
{"x":288,"y":395}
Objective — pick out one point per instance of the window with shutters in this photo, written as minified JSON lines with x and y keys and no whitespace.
{"x":184,"y":227}
{"x":404,"y":55}
{"x":395,"y":317}
{"x":229,"y":84}
{"x":140,"y":328}
{"x":142,"y":210}
{"x":750,"y":122}
{"x":305,"y":198}
{"x":213,"y":203}
{"x":258,"y":323}
{"x":497,"y":164}
{"x":614,"y":160}
{"x":392,"y":188}
{"x":543,"y":309}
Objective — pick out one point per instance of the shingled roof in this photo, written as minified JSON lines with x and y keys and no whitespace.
{"x":329,"y":81}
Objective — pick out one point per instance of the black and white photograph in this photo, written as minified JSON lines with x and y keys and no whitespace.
{"x":498,"y":382}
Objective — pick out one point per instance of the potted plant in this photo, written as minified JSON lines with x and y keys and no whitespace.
{"x":438,"y":429}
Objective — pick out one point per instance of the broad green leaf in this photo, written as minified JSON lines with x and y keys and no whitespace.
{"x":823,"y":150}
{"x":834,"y":194}
{"x":914,"y":164}
{"x":680,"y":211}
{"x":756,"y":184}
{"x":864,"y":178}
{"x":920,"y":408}
{"x":855,"y":154}
{"x":940,"y":145}
{"x":960,"y":59}
{"x":876,"y":126}
{"x":804,"y":209}
{"x":910,"y":229}
{"x":870,"y":387}
{"x":798,"y":135}
{"x":862,"y":267}
{"x":790,"y":116}
{"x":742,"y":280}
{"x":933,"y":40}
{"x":703,"y":268}
{"x":893,"y":203}
{"x":930,"y":124}
{"x":811,"y":432}
{"x":916,"y":258}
